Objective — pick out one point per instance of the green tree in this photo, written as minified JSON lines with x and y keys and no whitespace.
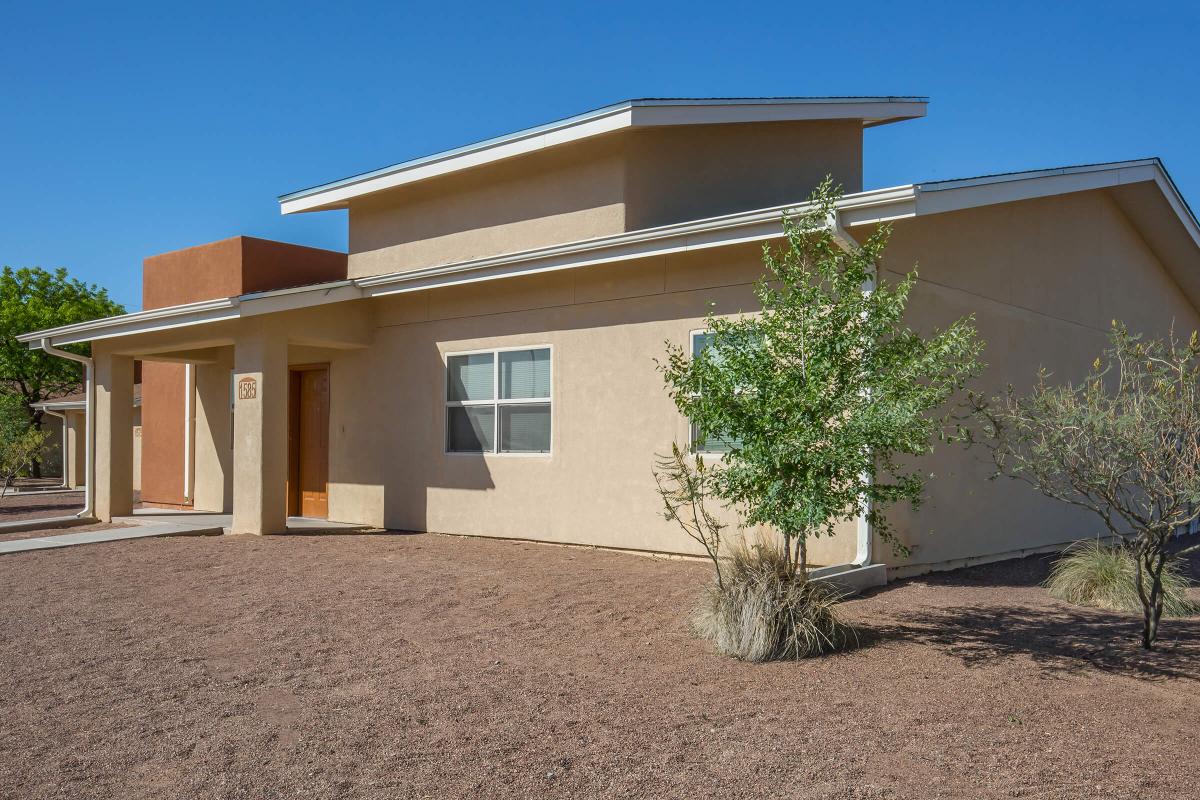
{"x":1123,"y":444}
{"x":20,"y":442}
{"x":821,"y":393}
{"x":32,"y":299}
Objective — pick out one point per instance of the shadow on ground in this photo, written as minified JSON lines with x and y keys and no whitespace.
{"x":1059,"y":638}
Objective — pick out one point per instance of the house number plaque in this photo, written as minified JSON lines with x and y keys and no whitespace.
{"x":247,"y":389}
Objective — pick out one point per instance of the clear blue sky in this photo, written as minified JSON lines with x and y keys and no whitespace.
{"x":132,"y":129}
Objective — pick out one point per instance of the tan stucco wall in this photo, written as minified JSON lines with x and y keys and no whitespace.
{"x":610,"y":411}
{"x":554,"y":196}
{"x":697,"y":171}
{"x":622,"y":181}
{"x":213,"y":482}
{"x":1044,"y":280}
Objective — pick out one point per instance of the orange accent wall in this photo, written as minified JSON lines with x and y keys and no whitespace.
{"x":224,"y":268}
{"x":162,"y":432}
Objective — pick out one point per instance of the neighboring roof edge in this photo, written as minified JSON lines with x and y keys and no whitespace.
{"x":646,"y":111}
{"x":863,"y":208}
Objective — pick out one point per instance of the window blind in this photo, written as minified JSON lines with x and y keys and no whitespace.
{"x":524,"y":374}
{"x":470,"y":377}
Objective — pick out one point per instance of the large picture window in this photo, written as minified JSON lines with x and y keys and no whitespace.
{"x":498,"y":401}
{"x":700,"y":443}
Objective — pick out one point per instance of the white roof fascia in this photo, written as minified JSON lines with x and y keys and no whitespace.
{"x":52,"y":405}
{"x":637,"y":113}
{"x":864,"y":208}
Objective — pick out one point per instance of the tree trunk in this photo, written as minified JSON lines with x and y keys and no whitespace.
{"x":1148,"y":628}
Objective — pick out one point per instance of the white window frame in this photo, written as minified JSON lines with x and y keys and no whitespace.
{"x":495,"y":402}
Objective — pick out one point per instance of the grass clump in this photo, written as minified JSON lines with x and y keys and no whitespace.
{"x":764,"y":610}
{"x":1103,"y":576}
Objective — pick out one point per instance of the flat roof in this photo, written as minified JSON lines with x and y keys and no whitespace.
{"x":642,"y":112}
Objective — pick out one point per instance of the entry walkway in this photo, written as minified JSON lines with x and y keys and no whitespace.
{"x":146,"y":523}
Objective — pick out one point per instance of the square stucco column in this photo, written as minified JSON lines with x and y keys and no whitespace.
{"x":260,"y":431}
{"x":214,"y":438}
{"x":114,"y":436}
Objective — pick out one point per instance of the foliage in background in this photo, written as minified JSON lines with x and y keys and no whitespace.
{"x":1092,"y":573}
{"x":33,"y":299}
{"x":20,"y":442}
{"x":1123,"y":444}
{"x":766,"y":611}
{"x":821,"y":392}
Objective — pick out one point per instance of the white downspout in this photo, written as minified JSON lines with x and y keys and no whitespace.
{"x":89,"y":404}
{"x":189,"y":382}
{"x":864,"y":550}
{"x":63,"y":448}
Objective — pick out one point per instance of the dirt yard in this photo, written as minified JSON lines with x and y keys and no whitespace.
{"x":35,"y":505}
{"x":428,"y":666}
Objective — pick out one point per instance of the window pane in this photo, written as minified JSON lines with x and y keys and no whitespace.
{"x":525,"y":428}
{"x":470,"y":429}
{"x":470,"y":377}
{"x":700,"y":341}
{"x":711,"y":444}
{"x":524,"y":374}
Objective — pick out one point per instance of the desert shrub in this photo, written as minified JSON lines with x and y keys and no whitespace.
{"x":765,"y":610}
{"x":1105,"y":576}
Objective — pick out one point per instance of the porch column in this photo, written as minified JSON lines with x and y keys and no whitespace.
{"x":113,"y":492}
{"x":260,"y":430}
{"x":213,"y":480}
{"x":75,"y":449}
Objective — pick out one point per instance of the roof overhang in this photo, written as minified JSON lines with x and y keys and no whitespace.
{"x":871,"y":111}
{"x":1143,"y":188}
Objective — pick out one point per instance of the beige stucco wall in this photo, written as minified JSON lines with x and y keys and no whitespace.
{"x":554,"y":196}
{"x":611,"y":414}
{"x":1044,"y":279}
{"x":692,"y":172}
{"x":622,"y":181}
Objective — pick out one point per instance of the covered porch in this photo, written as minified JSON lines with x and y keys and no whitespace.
{"x":258,"y":438}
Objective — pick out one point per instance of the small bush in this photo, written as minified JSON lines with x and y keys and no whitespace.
{"x":766,"y":611}
{"x":1103,"y":576}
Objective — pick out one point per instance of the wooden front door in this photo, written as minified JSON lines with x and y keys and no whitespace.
{"x":308,"y":442}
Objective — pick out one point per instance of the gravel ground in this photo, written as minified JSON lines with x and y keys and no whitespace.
{"x":34,"y":505}
{"x":405,"y":666}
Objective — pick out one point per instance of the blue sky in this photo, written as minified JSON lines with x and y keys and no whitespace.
{"x":132,"y":129}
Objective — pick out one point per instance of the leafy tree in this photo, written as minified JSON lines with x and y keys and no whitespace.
{"x":32,"y":299}
{"x":822,"y":392}
{"x":1123,"y":444}
{"x":20,"y":442}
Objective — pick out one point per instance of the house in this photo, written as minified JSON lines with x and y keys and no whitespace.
{"x":482,"y":360}
{"x":66,"y":450}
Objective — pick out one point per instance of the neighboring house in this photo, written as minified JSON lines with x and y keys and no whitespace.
{"x":483,"y":361}
{"x":67,"y":446}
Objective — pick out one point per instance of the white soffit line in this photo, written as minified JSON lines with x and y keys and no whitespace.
{"x":871,"y":111}
{"x":864,"y":208}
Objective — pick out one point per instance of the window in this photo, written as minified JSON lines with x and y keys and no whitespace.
{"x":514,"y":419}
{"x":710,"y":444}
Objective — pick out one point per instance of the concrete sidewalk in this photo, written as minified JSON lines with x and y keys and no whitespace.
{"x":145,"y":523}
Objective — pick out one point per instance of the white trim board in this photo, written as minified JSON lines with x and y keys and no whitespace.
{"x":863,"y":208}
{"x":871,"y":111}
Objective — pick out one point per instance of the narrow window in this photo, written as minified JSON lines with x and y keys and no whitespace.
{"x":712,"y":443}
{"x":498,"y":401}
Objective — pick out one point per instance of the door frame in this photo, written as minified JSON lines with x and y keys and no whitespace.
{"x":293,"y":438}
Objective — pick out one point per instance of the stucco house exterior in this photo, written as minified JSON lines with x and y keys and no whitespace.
{"x":482,"y":360}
